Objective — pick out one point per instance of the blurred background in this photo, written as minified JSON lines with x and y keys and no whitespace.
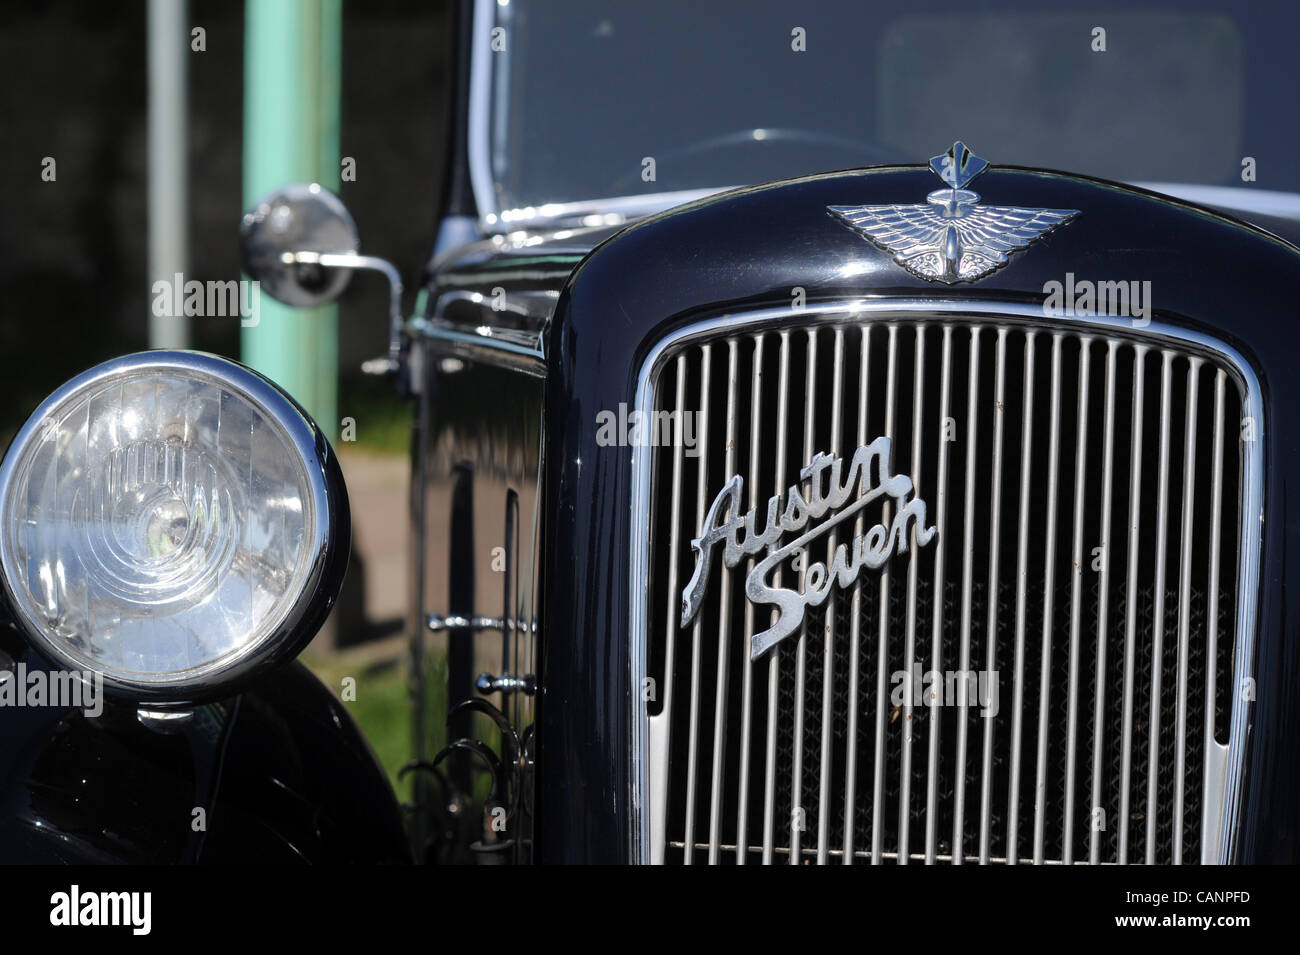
{"x":75,"y":282}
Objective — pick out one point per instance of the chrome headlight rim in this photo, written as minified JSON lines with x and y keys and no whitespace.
{"x":328,"y":543}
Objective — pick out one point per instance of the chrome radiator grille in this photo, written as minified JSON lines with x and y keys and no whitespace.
{"x":1092,"y":560}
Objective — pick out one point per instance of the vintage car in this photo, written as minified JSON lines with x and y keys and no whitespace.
{"x":930,"y":510}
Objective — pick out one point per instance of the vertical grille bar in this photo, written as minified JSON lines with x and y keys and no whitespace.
{"x":769,"y":783}
{"x":701,"y":495}
{"x":909,"y":652}
{"x":1103,"y":595}
{"x":882,"y":650}
{"x":968,"y":547}
{"x":1131,"y":609}
{"x":1184,"y":602}
{"x":724,"y":632}
{"x":1212,"y":614}
{"x":773,"y":660}
{"x":991,"y":638}
{"x":855,"y":622}
{"x":1076,"y":601}
{"x":671,"y":614}
{"x":799,"y":814}
{"x":936,"y":631}
{"x":828,"y":637}
{"x":1158,"y":615}
{"x":747,"y":672}
{"x":1022,"y":582}
{"x":1049,"y":593}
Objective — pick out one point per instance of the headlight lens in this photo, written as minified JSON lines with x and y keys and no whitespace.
{"x":162,"y":519}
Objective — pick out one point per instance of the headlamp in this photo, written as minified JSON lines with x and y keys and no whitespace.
{"x":172,"y":521}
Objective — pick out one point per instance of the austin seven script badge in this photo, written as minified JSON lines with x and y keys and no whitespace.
{"x":823,"y":497}
{"x":951,"y":237}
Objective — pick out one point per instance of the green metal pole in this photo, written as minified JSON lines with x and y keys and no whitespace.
{"x":292,"y":54}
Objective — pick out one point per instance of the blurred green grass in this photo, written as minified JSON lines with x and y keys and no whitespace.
{"x":383,"y":419}
{"x":382,"y":708}
{"x":383,"y":711}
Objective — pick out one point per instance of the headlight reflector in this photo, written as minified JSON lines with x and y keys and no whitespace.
{"x":163,"y":518}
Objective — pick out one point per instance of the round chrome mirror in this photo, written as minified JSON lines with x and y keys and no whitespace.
{"x":298,"y":218}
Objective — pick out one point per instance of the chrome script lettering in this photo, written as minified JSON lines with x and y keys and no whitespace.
{"x":829,"y":492}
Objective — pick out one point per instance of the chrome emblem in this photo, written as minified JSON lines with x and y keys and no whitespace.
{"x":829,"y":501}
{"x":951,"y":237}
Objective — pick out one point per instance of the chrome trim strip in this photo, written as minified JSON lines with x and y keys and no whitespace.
{"x":701,"y":495}
{"x":1248,"y":200}
{"x":875,"y":309}
{"x":534,"y":306}
{"x":1214,"y":752}
{"x":502,"y":347}
{"x":662,"y":733}
{"x":590,"y":213}
{"x":438,"y":623}
{"x":479,"y":143}
{"x":1250,"y":533}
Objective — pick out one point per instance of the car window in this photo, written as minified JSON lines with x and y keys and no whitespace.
{"x":729,"y":93}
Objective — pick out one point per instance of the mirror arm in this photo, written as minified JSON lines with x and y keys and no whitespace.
{"x":351,"y":260}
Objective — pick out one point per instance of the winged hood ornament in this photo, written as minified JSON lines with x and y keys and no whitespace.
{"x":951,"y":237}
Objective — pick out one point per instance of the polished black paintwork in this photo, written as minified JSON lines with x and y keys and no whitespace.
{"x":281,"y":771}
{"x":749,"y":249}
{"x":474,"y":502}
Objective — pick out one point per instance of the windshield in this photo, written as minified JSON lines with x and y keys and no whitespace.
{"x":593,"y":99}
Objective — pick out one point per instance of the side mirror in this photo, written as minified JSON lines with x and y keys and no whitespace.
{"x":296,"y":219}
{"x":300,"y":242}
